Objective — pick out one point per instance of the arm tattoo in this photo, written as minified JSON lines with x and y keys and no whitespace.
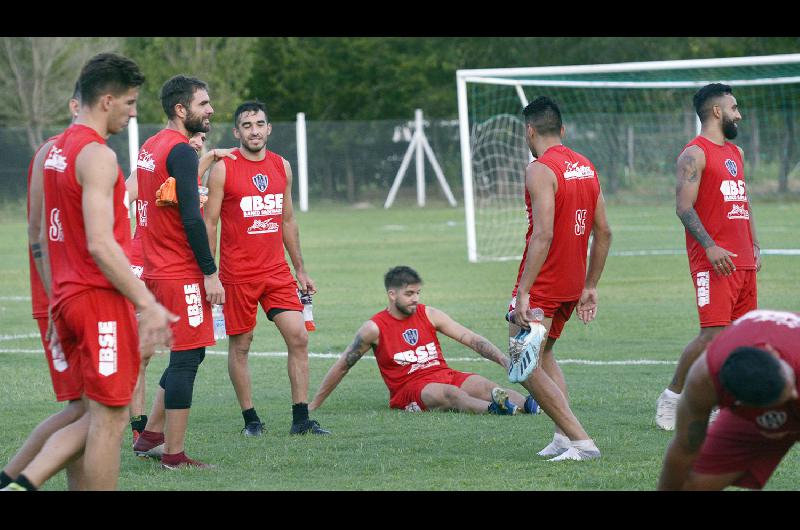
{"x":688,"y":169}
{"x":484,"y":348}
{"x":694,"y":226}
{"x":36,"y":250}
{"x":354,"y":353}
{"x":696,"y":434}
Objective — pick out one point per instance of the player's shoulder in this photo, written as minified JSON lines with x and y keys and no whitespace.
{"x":692,"y":151}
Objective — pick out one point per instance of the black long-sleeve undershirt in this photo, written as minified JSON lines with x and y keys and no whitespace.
{"x":182,"y":165}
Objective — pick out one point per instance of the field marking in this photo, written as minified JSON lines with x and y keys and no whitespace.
{"x":15,"y":337}
{"x":16,"y":298}
{"x":632,"y":362}
{"x":676,"y":252}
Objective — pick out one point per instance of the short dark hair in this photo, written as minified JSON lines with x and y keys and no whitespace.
{"x":400,"y":276}
{"x":249,"y":106}
{"x":108,"y":73}
{"x":544,"y":115}
{"x":753,"y":376}
{"x":179,"y":89}
{"x":705,"y":97}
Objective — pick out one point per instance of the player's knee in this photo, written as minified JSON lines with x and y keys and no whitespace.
{"x":179,"y":378}
{"x":297,"y":340}
{"x":241,"y":344}
{"x":451,"y":395}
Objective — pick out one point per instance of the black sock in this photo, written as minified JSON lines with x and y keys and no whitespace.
{"x":5,"y":480}
{"x":138,"y":423}
{"x":250,"y":416}
{"x":299,"y":412}
{"x":23,"y":481}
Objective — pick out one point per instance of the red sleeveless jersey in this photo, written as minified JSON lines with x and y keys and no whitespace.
{"x":72,"y":268}
{"x":251,"y":241}
{"x":722,"y":207}
{"x":407,"y":349}
{"x":563,"y":273}
{"x":166,"y":250}
{"x":39,"y":300}
{"x":779,"y":329}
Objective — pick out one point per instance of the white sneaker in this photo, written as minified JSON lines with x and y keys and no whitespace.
{"x":665,"y":411}
{"x":573,"y":453}
{"x":713,"y":416}
{"x":554,"y":448}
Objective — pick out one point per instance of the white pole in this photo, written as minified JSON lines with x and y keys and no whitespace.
{"x":438,"y":170}
{"x":466,"y":169}
{"x":133,"y":143}
{"x":398,"y":179}
{"x":420,"y":132}
{"x":699,"y":125}
{"x":302,"y":161}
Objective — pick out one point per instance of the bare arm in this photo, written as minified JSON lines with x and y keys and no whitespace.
{"x":366,"y":337}
{"x":601,"y":243}
{"x":37,"y":216}
{"x":212,"y":208}
{"x":291,"y":236}
{"x":697,"y":400}
{"x":210,"y":157}
{"x":446,"y":325}
{"x":132,"y":187}
{"x":541,"y":183}
{"x":690,"y":168}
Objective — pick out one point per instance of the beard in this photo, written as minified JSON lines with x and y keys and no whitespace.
{"x":194,"y":124}
{"x":406,"y":310}
{"x":729,"y":129}
{"x":246,"y":145}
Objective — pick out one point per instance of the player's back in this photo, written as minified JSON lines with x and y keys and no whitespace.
{"x":39,"y":300}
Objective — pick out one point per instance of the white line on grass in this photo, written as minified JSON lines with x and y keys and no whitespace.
{"x":467,"y":359}
{"x":15,"y":337}
{"x":16,"y":298}
{"x":676,"y":252}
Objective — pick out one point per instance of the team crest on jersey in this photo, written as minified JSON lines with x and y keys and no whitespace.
{"x":773,"y":419}
{"x":411,"y":336}
{"x":731,"y":165}
{"x":261,"y":182}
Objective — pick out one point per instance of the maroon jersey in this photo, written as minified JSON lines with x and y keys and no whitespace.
{"x":39,"y":301}
{"x":722,"y":207}
{"x":407,"y":348}
{"x":166,"y":250}
{"x":251,"y":242}
{"x":72,"y":268}
{"x":779,"y":329}
{"x":563,"y":273}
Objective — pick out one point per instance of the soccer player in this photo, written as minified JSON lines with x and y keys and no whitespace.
{"x":62,"y":375}
{"x":253,"y":197}
{"x":721,"y":243}
{"x":406,"y":345}
{"x":565,"y":205}
{"x":93,"y":293}
{"x":178,"y":264}
{"x":750,"y":371}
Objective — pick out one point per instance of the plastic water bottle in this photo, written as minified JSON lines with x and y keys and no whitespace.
{"x":308,"y":315}
{"x":536,"y":312}
{"x":219,"y":322}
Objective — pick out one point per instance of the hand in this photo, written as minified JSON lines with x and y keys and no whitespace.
{"x":521,"y":316}
{"x":155,"y":328}
{"x":721,"y":260}
{"x":757,"y":255}
{"x":215,"y":293}
{"x":587,"y":305}
{"x":306,"y":283}
{"x":223,"y":153}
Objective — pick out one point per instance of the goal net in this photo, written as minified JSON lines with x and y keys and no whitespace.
{"x":630,"y":119}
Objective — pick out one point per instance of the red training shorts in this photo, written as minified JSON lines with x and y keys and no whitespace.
{"x":557,"y":310}
{"x":187,"y":299}
{"x":735,"y":444}
{"x":723,"y":299}
{"x":242,"y":299}
{"x":409,"y":397}
{"x":98,"y":334}
{"x":65,"y":376}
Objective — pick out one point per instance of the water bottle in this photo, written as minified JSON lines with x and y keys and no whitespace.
{"x":219,"y":322}
{"x":308,"y":315}
{"x":536,"y":312}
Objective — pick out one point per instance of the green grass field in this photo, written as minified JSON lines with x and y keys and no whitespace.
{"x":647,"y":312}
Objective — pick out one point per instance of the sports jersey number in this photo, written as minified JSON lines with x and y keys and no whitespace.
{"x":580,"y":222}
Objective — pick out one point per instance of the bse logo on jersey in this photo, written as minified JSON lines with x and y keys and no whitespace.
{"x":703,"y":289}
{"x":194,"y":304}
{"x":107,"y":340}
{"x":773,"y":419}
{"x":421,"y":357}
{"x":261,"y":182}
{"x":733,"y":190}
{"x":267,"y":226}
{"x":411,"y":336}
{"x":55,"y":160}
{"x":261,"y":205}
{"x":731,"y":165}
{"x":146,"y":161}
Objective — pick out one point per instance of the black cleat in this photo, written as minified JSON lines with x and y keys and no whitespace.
{"x":254,"y":428}
{"x":307,"y":426}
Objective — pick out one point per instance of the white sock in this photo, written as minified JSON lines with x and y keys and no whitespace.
{"x":560,"y":440}
{"x":584,"y":445}
{"x":670,"y":394}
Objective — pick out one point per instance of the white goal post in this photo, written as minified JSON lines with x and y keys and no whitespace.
{"x":595,"y":101}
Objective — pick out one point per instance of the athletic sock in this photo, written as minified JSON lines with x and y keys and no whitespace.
{"x":139,"y":422}
{"x":250,"y":416}
{"x":670,"y":394}
{"x":5,"y":480}
{"x":23,"y":481}
{"x":560,"y":439}
{"x":299,"y":412}
{"x":152,"y":437}
{"x":585,"y":445}
{"x":174,"y":459}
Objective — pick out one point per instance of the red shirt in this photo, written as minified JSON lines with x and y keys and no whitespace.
{"x":779,"y":329}
{"x":166,"y":249}
{"x":563,"y":273}
{"x":407,"y":349}
{"x":251,"y":242}
{"x":39,"y":300}
{"x":72,"y":268}
{"x":722,"y":207}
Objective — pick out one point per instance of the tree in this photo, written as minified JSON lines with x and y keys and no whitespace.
{"x":38,"y":76}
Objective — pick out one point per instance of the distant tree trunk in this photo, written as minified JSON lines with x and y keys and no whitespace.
{"x":787,"y":153}
{"x":350,"y":177}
